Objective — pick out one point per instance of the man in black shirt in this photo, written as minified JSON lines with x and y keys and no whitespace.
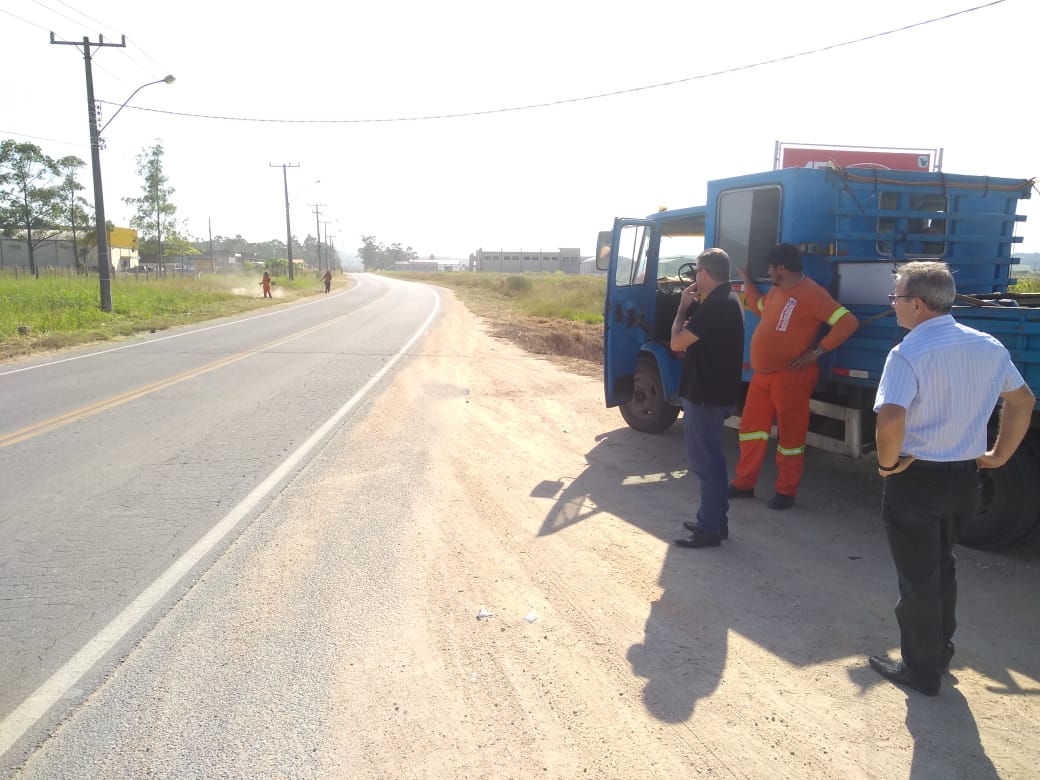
{"x":709,"y":326}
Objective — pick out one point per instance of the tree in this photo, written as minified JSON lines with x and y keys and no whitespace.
{"x":155,"y":218}
{"x":378,"y":256}
{"x":74,"y":206}
{"x":30,"y":202}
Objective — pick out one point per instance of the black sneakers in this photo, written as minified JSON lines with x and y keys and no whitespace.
{"x":780,"y":501}
{"x":735,"y":492}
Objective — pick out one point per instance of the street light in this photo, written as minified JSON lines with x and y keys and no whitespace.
{"x":103,"y":253}
{"x":167,"y":80}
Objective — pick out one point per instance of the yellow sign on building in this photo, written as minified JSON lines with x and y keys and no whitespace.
{"x":123,"y":238}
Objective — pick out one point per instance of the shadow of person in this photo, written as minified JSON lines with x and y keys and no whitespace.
{"x":787,"y":583}
{"x":946,"y":738}
{"x":625,"y":468}
{"x":682,"y":657}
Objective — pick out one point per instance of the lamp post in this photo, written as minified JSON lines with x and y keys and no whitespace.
{"x":103,"y":252}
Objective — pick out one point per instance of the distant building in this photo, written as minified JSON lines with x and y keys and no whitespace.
{"x":417,"y":265}
{"x":58,"y":252}
{"x":526,"y":261}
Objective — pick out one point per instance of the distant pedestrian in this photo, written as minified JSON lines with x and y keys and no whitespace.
{"x":784,"y":350}
{"x":709,"y":326}
{"x":266,"y":284}
{"x":937,"y":392}
{"x":327,"y":278}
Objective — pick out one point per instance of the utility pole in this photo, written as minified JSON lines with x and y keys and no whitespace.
{"x":288,"y":225}
{"x":317,"y":227}
{"x":328,"y":255}
{"x":332,"y":249}
{"x":103,"y":252}
{"x":158,"y":222}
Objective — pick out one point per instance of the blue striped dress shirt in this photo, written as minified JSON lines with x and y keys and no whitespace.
{"x":948,"y":377}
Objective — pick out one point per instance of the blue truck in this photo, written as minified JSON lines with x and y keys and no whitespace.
{"x":854,"y":227}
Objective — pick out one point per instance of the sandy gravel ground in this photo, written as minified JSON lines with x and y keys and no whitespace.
{"x":612,"y":653}
{"x":340,"y":637}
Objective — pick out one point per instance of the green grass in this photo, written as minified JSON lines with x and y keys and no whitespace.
{"x":58,"y":311}
{"x":1027,"y":284}
{"x":551,"y":296}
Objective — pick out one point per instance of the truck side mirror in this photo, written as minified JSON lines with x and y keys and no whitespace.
{"x":603,"y":250}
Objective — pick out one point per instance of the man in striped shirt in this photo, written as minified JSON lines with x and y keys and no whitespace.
{"x":937,"y":393}
{"x":784,"y":351}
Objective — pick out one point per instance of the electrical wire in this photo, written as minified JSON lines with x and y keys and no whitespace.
{"x":567,"y":101}
{"x":20,"y":19}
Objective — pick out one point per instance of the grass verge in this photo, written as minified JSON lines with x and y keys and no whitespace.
{"x":55,"y":312}
{"x":557,"y":316}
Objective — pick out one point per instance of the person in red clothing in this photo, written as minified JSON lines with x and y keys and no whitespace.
{"x":784,"y":351}
{"x":266,"y":284}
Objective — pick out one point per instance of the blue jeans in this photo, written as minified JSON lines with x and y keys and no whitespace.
{"x":702,"y":427}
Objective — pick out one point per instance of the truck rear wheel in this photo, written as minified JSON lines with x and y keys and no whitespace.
{"x":1010,"y":498}
{"x":649,"y":410}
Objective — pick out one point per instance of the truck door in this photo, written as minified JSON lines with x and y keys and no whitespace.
{"x":628,"y":313}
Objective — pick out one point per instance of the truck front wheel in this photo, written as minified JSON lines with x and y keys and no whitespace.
{"x":649,"y":410}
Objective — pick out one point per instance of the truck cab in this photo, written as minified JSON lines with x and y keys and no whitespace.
{"x":854,"y":227}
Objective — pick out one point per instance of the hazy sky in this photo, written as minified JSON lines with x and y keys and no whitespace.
{"x":538,"y":178}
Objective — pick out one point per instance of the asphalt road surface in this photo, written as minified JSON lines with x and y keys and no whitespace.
{"x":313,"y":561}
{"x":128,"y":468}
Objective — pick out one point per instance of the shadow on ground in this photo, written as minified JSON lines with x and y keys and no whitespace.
{"x":810,"y":585}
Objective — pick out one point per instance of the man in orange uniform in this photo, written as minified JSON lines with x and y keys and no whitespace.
{"x":784,"y":351}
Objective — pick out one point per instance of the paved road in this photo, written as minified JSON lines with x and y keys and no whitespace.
{"x":128,"y":469}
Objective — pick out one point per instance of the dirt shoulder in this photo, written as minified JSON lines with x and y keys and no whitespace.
{"x":613,"y":653}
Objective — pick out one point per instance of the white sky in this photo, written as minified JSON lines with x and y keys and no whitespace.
{"x":533,"y":179}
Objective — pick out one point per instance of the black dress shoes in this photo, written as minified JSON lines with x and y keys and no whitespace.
{"x":700,"y":539}
{"x":897,"y":672}
{"x":735,"y":492}
{"x":689,"y":525}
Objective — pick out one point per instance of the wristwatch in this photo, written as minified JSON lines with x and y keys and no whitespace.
{"x":817,"y":353}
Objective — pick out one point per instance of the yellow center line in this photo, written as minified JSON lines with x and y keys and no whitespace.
{"x":53,"y":423}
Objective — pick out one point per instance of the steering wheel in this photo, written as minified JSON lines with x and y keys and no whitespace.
{"x":687,"y":272}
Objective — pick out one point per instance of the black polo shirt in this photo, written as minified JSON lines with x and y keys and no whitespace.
{"x":711,"y":373}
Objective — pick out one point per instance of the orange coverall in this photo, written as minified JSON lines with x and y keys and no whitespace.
{"x":791,"y":320}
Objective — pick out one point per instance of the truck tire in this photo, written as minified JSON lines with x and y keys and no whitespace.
{"x":649,"y":410}
{"x":1032,"y":446}
{"x":1010,"y":498}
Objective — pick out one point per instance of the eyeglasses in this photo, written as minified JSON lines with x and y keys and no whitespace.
{"x":892,"y":297}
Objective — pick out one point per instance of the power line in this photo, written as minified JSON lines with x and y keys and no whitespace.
{"x":76,"y":10}
{"x":20,"y":19}
{"x":99,"y":23}
{"x":59,"y":13}
{"x":41,"y":138}
{"x":600,"y":96}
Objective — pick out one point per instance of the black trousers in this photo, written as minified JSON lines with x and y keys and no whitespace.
{"x":923,"y":509}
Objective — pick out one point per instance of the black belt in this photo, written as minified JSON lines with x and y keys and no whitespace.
{"x":947,"y":465}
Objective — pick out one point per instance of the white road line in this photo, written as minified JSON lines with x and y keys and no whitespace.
{"x":164,"y":338}
{"x":15,"y":725}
